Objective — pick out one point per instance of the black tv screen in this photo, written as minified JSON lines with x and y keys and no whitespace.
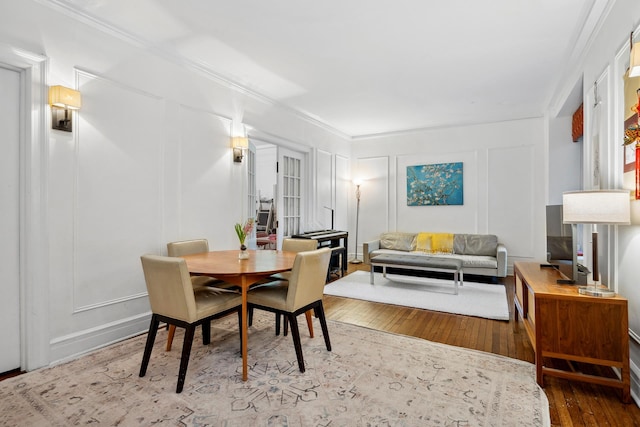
{"x":561,"y":243}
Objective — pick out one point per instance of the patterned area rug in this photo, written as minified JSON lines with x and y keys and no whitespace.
{"x":473,"y":299}
{"x":370,"y":378}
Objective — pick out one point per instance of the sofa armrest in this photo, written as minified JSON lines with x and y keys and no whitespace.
{"x":367,"y":248}
{"x":501,"y":256}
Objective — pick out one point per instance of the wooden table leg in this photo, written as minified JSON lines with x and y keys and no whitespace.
{"x":244,"y":326}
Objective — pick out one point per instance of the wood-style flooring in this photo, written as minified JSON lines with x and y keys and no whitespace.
{"x":570,"y":403}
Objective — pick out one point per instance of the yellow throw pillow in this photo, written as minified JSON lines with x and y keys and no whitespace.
{"x":423,"y":242}
{"x":442,"y":243}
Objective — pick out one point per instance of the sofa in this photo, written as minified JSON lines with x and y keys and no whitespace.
{"x":481,"y":254}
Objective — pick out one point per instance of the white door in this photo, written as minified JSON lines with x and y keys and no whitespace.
{"x":289,"y":206}
{"x":252,"y":198}
{"x":9,"y":219}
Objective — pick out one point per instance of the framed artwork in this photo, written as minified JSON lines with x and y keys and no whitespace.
{"x":630,"y":149}
{"x":436,"y":184}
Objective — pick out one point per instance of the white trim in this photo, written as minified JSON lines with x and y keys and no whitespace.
{"x":72,"y":346}
{"x":102,"y":304}
{"x":70,"y":10}
{"x":34,"y":231}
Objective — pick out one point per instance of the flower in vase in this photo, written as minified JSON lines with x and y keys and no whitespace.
{"x":243,"y":230}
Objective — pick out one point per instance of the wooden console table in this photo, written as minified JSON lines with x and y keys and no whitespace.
{"x":562,"y":324}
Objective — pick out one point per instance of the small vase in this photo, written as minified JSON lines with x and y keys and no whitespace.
{"x":244,"y":254}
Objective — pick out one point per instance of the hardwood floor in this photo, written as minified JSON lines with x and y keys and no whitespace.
{"x":570,"y":403}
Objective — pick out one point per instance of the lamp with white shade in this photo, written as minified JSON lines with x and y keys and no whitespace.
{"x":610,"y":207}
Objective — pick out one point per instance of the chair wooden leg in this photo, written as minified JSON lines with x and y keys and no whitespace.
{"x":170,"y":334}
{"x":309,"y":322}
{"x":295,"y":334}
{"x":184,"y":360}
{"x":151,"y":337}
{"x":319,"y":310}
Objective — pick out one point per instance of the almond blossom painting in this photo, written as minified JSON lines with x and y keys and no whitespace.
{"x":436,"y":184}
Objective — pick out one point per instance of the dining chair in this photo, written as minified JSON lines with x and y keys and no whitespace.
{"x":188,"y":247}
{"x":175,"y":301}
{"x":304,"y":291}
{"x":292,"y":245}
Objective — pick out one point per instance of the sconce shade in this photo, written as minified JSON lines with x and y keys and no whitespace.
{"x":241,"y":142}
{"x":596,"y":207}
{"x":63,"y":97}
{"x":634,"y":61}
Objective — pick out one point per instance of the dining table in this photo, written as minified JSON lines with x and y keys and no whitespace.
{"x":226,"y":265}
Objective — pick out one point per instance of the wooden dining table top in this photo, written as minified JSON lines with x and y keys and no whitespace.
{"x":227,"y":263}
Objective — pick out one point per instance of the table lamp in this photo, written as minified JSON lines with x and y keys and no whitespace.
{"x":611,"y":207}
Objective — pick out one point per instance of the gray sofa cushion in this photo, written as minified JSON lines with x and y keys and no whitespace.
{"x":398,"y":241}
{"x":477,"y":244}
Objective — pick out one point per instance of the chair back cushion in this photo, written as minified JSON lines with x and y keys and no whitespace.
{"x":169,"y":287}
{"x":308,"y":277}
{"x":187,"y":247}
{"x":299,"y":245}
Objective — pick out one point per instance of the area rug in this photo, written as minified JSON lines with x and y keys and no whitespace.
{"x":473,"y":299}
{"x":370,"y":378}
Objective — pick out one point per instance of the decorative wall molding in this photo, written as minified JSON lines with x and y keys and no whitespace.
{"x":34,"y":230}
{"x":114,"y":301}
{"x":68,"y":8}
{"x":72,"y":346}
{"x":86,"y":292}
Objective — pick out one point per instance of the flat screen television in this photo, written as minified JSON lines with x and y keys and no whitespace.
{"x":562,"y":246}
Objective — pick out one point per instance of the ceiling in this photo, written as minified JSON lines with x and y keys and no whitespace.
{"x":368,"y":67}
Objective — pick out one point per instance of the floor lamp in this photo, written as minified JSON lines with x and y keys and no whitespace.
{"x":355,"y":260}
{"x":611,"y":207}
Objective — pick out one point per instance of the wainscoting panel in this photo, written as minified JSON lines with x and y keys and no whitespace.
{"x":374,"y":206}
{"x":343,"y":187}
{"x":119,"y":147}
{"x":203,"y":170}
{"x":455,"y":218}
{"x":324,"y":183}
{"x":512,"y":169}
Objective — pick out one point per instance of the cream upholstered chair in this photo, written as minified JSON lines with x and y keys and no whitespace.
{"x":174,"y":300}
{"x":304,"y":292}
{"x":188,"y":247}
{"x":293,"y":245}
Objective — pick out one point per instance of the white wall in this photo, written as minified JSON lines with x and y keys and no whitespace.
{"x":565,"y":160}
{"x":504,"y":183}
{"x":149,"y":161}
{"x":605,"y":63}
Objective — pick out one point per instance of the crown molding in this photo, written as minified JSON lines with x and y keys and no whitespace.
{"x":68,"y":8}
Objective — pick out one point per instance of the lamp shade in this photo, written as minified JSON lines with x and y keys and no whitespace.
{"x":596,"y":207}
{"x":241,"y":142}
{"x":63,"y":97}
{"x":634,"y":61}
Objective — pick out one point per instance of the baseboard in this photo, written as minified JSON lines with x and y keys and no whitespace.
{"x":72,"y":346}
{"x":635,"y":382}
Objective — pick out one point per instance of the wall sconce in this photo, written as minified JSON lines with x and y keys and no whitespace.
{"x":239,"y":144}
{"x":634,"y":58}
{"x":62,"y":99}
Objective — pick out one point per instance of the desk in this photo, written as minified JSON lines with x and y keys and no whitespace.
{"x":562,"y":324}
{"x":226,"y":266}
